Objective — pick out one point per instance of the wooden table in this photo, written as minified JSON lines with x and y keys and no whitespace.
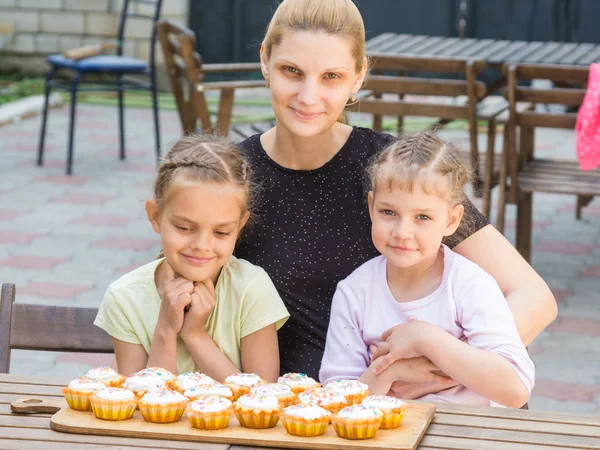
{"x":494,"y":52}
{"x":453,"y":427}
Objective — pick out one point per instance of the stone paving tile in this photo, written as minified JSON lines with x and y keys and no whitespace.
{"x":70,"y":237}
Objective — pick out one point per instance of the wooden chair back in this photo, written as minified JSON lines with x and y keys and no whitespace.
{"x":530,"y":173}
{"x":427,"y":76}
{"x":49,"y":328}
{"x":529,"y":119}
{"x":187,"y":78}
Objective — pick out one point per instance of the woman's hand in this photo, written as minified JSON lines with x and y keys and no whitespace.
{"x":400,"y":342}
{"x":411,"y":390}
{"x":176,"y":295}
{"x":203,"y":299}
{"x":416,"y":370}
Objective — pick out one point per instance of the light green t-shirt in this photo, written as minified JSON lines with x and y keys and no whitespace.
{"x":247,"y":301}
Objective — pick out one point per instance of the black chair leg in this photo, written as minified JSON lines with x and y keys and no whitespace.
{"x":74,"y":86}
{"x":40,"y":156}
{"x":155,"y":108}
{"x":121,"y":120}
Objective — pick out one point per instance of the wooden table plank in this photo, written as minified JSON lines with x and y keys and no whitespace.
{"x":592,"y":56}
{"x":453,"y":50}
{"x":565,"y":49}
{"x":25,"y":390}
{"x":7,"y":399}
{"x":406,"y":45}
{"x":48,"y":435}
{"x":510,"y":49}
{"x":371,"y":44}
{"x":391,"y":42}
{"x":514,"y":437}
{"x":423,"y":47}
{"x":519,"y":414}
{"x":14,"y":444}
{"x":447,"y":42}
{"x":579,"y":52}
{"x":474,"y":50}
{"x":547,"y":49}
{"x":516,"y":425}
{"x":445,"y":442}
{"x":38,"y":381}
{"x":491,"y":50}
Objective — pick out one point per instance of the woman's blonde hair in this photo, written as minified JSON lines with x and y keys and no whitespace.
{"x":204,"y":158}
{"x":336,"y":17}
{"x":413,"y":158}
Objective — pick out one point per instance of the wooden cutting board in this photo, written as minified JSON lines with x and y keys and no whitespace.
{"x":416,"y":420}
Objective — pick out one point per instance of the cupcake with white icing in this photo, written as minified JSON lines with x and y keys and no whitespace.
{"x":240,"y":383}
{"x":113,"y":404}
{"x":188,"y":380}
{"x":209,"y":390}
{"x":325,"y":398}
{"x":305,"y":420}
{"x":162,"y":406}
{"x":281,"y":391}
{"x":106,"y":375}
{"x":148,"y":379}
{"x":209,"y":413}
{"x":298,"y":382}
{"x":257,"y":411}
{"x":78,"y":392}
{"x":357,"y":422}
{"x":354,"y":391}
{"x":392,"y":408}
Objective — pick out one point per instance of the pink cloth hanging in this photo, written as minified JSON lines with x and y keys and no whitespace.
{"x":587,"y":130}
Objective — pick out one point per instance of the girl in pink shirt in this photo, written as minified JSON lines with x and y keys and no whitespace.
{"x":449,"y":312}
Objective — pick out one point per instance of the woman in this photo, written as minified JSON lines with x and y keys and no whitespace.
{"x":312,"y":228}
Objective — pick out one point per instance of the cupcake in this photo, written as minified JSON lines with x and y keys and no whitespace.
{"x":392,"y":408}
{"x":209,"y":390}
{"x":209,"y":413}
{"x":106,"y":375}
{"x":188,"y":380}
{"x":357,"y":422}
{"x":257,"y":411}
{"x":283,"y":393}
{"x":298,"y":382}
{"x":78,"y":392}
{"x":240,"y":383}
{"x":354,"y":391}
{"x":147,"y":379}
{"x":305,"y":420}
{"x":162,"y":406}
{"x":113,"y":404}
{"x":325,"y":398}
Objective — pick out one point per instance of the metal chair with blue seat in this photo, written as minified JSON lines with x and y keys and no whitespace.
{"x":117,"y":67}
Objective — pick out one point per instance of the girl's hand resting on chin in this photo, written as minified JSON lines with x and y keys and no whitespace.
{"x":176,"y":295}
{"x":203,"y":299}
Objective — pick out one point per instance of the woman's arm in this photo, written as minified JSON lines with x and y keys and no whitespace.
{"x":129,"y":358}
{"x":529,"y":298}
{"x":260,"y":353}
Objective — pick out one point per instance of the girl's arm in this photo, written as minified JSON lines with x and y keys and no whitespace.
{"x":530,"y":300}
{"x":489,"y":374}
{"x":208,"y":357}
{"x":129,"y":358}
{"x":260,"y":353}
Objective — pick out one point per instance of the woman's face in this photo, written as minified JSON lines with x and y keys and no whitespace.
{"x":312,"y":76}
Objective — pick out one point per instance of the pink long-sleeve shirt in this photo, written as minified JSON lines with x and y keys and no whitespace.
{"x":468,"y":304}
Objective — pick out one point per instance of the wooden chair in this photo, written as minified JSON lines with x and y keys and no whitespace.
{"x":528,"y":173}
{"x":428,"y":76}
{"x":49,"y":328}
{"x":187,"y":73}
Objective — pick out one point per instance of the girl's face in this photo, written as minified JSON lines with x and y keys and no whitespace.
{"x":408,"y":227}
{"x":198,"y":226}
{"x":312,"y":76}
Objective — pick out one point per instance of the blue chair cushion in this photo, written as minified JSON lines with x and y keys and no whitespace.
{"x":102,"y":63}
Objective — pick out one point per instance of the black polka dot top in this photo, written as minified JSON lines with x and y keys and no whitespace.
{"x":311,"y":230}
